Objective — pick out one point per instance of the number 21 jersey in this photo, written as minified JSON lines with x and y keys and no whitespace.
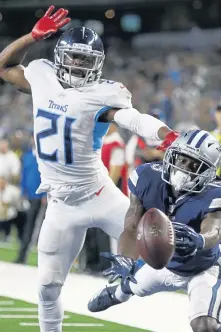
{"x":67,"y":133}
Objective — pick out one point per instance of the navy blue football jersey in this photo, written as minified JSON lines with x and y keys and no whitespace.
{"x":146,"y":183}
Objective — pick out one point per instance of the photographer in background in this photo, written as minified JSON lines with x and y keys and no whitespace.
{"x":10,"y":204}
{"x":10,"y":164}
{"x":30,"y":181}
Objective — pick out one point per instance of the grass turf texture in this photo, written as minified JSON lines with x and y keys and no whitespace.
{"x":14,"y":325}
{"x":8,"y":253}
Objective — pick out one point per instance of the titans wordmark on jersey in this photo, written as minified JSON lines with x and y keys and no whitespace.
{"x":145,"y":182}
{"x":67,"y":132}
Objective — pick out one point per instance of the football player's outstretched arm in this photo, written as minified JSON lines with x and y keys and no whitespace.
{"x":211,"y":229}
{"x":127,"y":240}
{"x":12,"y":56}
{"x":141,"y":124}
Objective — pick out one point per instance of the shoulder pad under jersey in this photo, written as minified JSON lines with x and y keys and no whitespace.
{"x":37,"y":69}
{"x":144,"y":177}
{"x":211,"y":199}
{"x":115,"y":94}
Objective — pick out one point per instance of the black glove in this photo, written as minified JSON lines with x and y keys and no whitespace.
{"x":188,"y":242}
{"x":122,"y":267}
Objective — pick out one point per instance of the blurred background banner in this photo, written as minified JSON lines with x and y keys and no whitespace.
{"x":65,"y":3}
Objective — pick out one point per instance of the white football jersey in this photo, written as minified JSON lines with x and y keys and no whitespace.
{"x":67,"y":134}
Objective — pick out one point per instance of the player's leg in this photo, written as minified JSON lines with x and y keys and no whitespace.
{"x":109,"y":209}
{"x":61,"y":238}
{"x":204,"y":292}
{"x":149,"y":281}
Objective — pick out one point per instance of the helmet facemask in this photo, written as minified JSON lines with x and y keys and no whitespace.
{"x":183,"y":180}
{"x":79,"y":65}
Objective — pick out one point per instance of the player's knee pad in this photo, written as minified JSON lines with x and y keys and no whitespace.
{"x":49,"y":293}
{"x":50,"y":284}
{"x":204,"y":324}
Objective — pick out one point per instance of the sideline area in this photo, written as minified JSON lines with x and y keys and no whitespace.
{"x":162,"y":312}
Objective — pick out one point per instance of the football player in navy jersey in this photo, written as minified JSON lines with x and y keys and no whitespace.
{"x":185,"y":188}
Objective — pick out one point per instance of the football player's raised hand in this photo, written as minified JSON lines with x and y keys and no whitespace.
{"x":50,"y":24}
{"x":168,"y":140}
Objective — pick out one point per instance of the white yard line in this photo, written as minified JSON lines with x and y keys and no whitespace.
{"x":66,"y":324}
{"x":19,"y":309}
{"x":20,"y":282}
{"x":7,"y":302}
{"x":22,"y":316}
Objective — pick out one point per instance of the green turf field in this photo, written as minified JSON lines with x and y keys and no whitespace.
{"x":20,"y":316}
{"x":8,"y":253}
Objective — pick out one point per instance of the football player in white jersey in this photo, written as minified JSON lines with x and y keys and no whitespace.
{"x":72,"y":109}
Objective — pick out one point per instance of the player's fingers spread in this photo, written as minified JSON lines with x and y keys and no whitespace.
{"x":107,"y":255}
{"x":57,"y":13}
{"x":60,"y":17}
{"x":177,"y":224}
{"x":132,"y":279}
{"x":114,"y":278}
{"x":110,"y":269}
{"x":49,"y":11}
{"x":107,"y":272}
{"x":180,"y":234}
{"x":49,"y":33}
{"x":63,"y":22}
{"x":181,"y":246}
{"x":179,"y":230}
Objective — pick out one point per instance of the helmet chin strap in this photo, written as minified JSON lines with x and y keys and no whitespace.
{"x":181,"y":180}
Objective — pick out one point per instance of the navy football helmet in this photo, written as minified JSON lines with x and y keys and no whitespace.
{"x":203,"y":149}
{"x":79,"y":57}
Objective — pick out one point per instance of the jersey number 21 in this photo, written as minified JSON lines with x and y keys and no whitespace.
{"x":53,"y":130}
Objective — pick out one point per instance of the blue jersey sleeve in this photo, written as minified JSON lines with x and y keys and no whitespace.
{"x":133,"y":179}
{"x":145,"y":180}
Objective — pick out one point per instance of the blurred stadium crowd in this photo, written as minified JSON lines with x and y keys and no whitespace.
{"x":178,"y":82}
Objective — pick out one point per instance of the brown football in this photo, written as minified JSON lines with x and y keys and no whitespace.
{"x":155,"y":238}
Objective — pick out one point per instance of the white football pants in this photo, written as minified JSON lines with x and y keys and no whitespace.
{"x":62,"y":237}
{"x":204,"y":289}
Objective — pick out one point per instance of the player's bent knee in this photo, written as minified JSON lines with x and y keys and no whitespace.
{"x":49,"y":293}
{"x":204,"y":324}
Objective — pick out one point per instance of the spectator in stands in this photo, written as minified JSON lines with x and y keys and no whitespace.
{"x":140,"y":150}
{"x":113,"y":157}
{"x":217,"y":131}
{"x":19,"y":142}
{"x":10,"y":204}
{"x":30,"y":181}
{"x":166,"y":104}
{"x":9,"y":163}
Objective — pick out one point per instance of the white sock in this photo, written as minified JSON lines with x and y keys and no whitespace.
{"x":50,"y":316}
{"x":120,"y":295}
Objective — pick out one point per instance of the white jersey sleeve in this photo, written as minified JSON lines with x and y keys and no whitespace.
{"x":117,"y":96}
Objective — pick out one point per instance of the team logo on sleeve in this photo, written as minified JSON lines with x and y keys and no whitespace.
{"x":157,"y":167}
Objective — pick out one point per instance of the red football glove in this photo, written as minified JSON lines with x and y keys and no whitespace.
{"x":168,"y":140}
{"x":50,"y":24}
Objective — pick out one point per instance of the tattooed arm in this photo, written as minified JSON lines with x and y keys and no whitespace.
{"x":127,"y":241}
